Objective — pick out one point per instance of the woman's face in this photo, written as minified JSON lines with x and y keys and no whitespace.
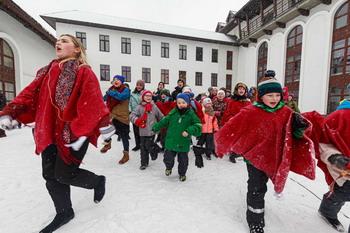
{"x":180,"y":84}
{"x":271,"y":99}
{"x":160,"y":86}
{"x":65,"y":48}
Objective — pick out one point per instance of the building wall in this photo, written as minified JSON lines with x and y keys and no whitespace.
{"x":136,"y":61}
{"x":316,"y":55}
{"x":30,"y":51}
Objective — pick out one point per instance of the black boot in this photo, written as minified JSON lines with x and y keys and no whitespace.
{"x":333,"y":222}
{"x":59,"y":220}
{"x":232,"y":159}
{"x":100,"y":189}
{"x":136,"y":148}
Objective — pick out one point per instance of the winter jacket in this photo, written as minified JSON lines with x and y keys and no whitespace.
{"x":2,"y":101}
{"x":135,"y":100}
{"x":152,"y":117}
{"x":268,"y":144}
{"x":219,"y":107}
{"x":84,"y":111}
{"x":293,"y":105}
{"x":177,"y":91}
{"x":177,"y":124}
{"x":120,"y":111}
{"x":232,"y":108}
{"x":211,"y":124}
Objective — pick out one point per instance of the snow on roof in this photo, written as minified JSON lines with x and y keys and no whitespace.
{"x":117,"y":23}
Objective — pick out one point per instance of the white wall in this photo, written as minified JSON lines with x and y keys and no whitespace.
{"x":30,"y":51}
{"x":136,"y":61}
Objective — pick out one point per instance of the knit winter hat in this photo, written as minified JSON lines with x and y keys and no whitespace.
{"x":210,"y":89}
{"x":206,"y":101}
{"x":144,"y":93}
{"x":186,"y":89}
{"x":165,"y":91}
{"x":140,"y":82}
{"x":185,"y":96}
{"x":270,"y":73}
{"x":221,"y":91}
{"x":269,"y":85}
{"x":121,"y":78}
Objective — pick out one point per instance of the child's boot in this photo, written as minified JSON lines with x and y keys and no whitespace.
{"x":107,"y":146}
{"x":125,"y":157}
{"x":168,"y":172}
{"x":182,"y":178}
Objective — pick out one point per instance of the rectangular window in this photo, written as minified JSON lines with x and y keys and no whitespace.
{"x":214,"y":56}
{"x":126,"y":72}
{"x":82,"y":37}
{"x":104,"y":43}
{"x":198,"y":79}
{"x":183,"y":52}
{"x":229,"y":60}
{"x":146,"y":48}
{"x":199,"y":54}
{"x":146,"y":75}
{"x":182,"y":75}
{"x":228,"y":82}
{"x":165,"y":50}
{"x":164,"y":76}
{"x":126,"y":45}
{"x":214,"y":80}
{"x":104,"y":72}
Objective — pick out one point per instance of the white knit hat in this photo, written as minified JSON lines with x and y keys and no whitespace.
{"x":186,"y":89}
{"x":206,"y":101}
{"x":222,"y":91}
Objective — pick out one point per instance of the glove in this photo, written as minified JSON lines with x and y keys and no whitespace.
{"x":7,"y":123}
{"x":140,"y":123}
{"x":299,"y":121}
{"x":77,"y":144}
{"x":199,"y":161}
{"x":339,"y":160}
{"x":107,"y":132}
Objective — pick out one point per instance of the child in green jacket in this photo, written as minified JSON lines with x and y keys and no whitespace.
{"x":182,"y":123}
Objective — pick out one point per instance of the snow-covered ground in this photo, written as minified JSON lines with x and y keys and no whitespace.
{"x":212,"y":199}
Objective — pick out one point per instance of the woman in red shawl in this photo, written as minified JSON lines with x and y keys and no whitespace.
{"x":267,"y":145}
{"x":66,"y":104}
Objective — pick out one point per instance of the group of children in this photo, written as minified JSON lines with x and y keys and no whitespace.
{"x":275,"y":141}
{"x":65,"y":103}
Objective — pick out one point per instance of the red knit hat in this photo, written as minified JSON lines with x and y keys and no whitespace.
{"x":144,"y":93}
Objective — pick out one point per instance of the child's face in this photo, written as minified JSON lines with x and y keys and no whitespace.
{"x":160,"y":86}
{"x":220,"y":96}
{"x":148,"y":98}
{"x":65,"y":48}
{"x":241,"y":91}
{"x":271,"y":99}
{"x":181,"y":103}
{"x":163,"y":96}
{"x":208,"y":105}
{"x":116,"y":82}
{"x":290,"y":98}
{"x":139,"y":87}
{"x":215,"y":92}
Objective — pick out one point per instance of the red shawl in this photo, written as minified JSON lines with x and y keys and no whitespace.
{"x":267,"y":142}
{"x":111,"y":102}
{"x":232,"y":108}
{"x":84,"y":111}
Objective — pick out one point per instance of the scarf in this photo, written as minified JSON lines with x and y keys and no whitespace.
{"x":182,"y":110}
{"x":238,"y":97}
{"x":148,"y":108}
{"x":210,"y":111}
{"x":111,"y":102}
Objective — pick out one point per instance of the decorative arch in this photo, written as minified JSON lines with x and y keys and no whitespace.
{"x":7,"y":71}
{"x":293,"y":60}
{"x":339,"y":76}
{"x":262,"y":61}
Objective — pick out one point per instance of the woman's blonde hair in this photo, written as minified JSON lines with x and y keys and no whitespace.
{"x":81,"y":56}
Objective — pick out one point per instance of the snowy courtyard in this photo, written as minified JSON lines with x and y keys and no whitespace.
{"x":212,"y":199}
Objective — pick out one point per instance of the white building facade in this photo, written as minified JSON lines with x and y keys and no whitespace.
{"x":25,"y":47}
{"x":149,"y":51}
{"x":306,"y":42}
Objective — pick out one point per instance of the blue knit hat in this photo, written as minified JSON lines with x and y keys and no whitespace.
{"x":185,"y":96}
{"x":121,"y":78}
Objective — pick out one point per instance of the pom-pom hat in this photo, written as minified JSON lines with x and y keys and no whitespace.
{"x":269,"y":85}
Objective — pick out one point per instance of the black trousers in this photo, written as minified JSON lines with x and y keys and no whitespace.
{"x":59,"y":175}
{"x":122,"y":130}
{"x":208,"y":140}
{"x":182,"y":158}
{"x":257,"y":188}
{"x":331,"y":206}
{"x":136,"y":134}
{"x":147,"y":145}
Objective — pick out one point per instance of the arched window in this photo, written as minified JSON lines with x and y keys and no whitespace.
{"x":293,"y":60}
{"x":340,"y":62}
{"x":7,"y":71}
{"x":262,"y":61}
